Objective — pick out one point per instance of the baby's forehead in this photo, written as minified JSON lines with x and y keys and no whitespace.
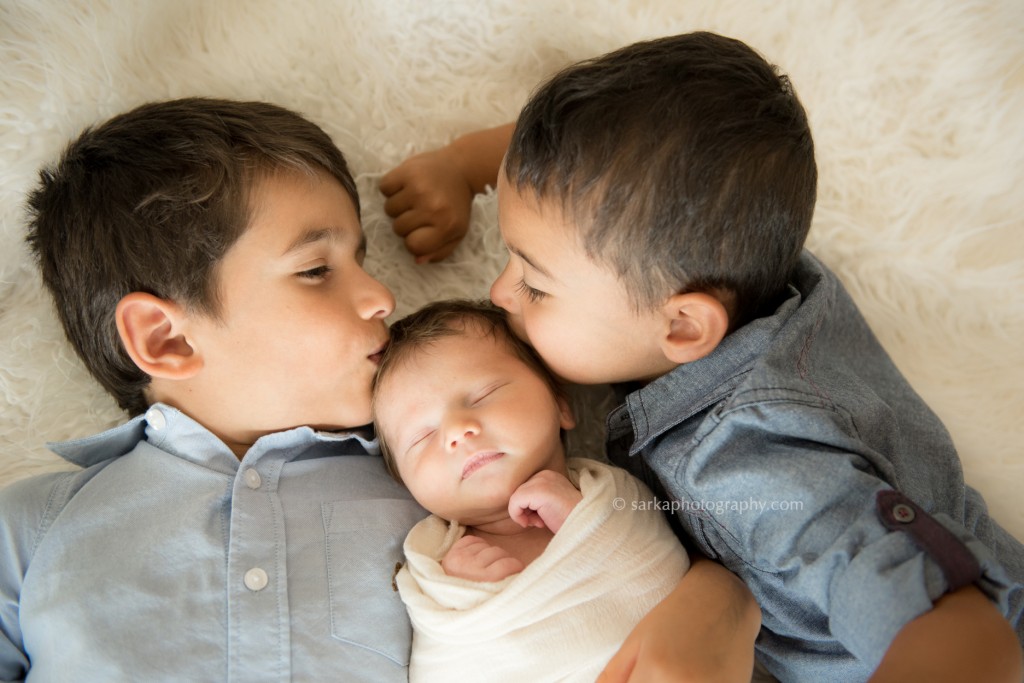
{"x":473,"y":339}
{"x":467,"y":343}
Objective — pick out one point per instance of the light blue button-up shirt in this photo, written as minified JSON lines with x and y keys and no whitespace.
{"x":167,"y":558}
{"x":772,"y":452}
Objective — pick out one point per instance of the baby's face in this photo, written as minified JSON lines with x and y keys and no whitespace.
{"x":468,"y":422}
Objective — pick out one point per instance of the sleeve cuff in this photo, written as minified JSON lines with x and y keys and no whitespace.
{"x":900,"y":576}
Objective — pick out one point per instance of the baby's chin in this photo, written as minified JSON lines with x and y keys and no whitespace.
{"x":494,"y":508}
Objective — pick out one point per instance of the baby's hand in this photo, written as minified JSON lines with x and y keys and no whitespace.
{"x":473,"y":558}
{"x":431,"y":201}
{"x":544,"y":500}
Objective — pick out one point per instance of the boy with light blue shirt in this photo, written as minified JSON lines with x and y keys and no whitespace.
{"x":205,"y":259}
{"x":655,"y":203}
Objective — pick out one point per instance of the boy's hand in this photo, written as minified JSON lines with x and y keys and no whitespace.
{"x":962,"y":638}
{"x":430,"y":195}
{"x":703,"y":631}
{"x":544,"y":500}
{"x":473,"y":558}
{"x":431,"y":201}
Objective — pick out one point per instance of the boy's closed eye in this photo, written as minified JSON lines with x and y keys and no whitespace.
{"x":316,"y":273}
{"x":529,"y":292}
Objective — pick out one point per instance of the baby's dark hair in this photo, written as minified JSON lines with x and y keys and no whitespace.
{"x":443,"y":319}
{"x":685,"y":162}
{"x":150,"y":201}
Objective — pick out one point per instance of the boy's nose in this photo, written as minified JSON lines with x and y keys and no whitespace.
{"x":501,"y":291}
{"x":375,"y":300}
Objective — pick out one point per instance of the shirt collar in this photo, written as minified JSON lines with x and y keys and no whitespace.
{"x":176,"y":433}
{"x":694,"y":387}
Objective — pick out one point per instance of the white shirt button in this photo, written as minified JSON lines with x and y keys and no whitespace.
{"x":156,"y":419}
{"x":253,"y":479}
{"x":256,"y":579}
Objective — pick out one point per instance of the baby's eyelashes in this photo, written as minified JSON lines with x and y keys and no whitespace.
{"x":486,"y":391}
{"x":420,"y":437}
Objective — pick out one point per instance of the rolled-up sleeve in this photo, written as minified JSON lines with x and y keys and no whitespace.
{"x":810,"y":525}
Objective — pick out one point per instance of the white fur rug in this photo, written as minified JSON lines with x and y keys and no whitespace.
{"x":917,"y":107}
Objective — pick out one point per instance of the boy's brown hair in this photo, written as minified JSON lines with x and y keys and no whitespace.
{"x":150,"y":201}
{"x":443,"y":319}
{"x":685,"y":162}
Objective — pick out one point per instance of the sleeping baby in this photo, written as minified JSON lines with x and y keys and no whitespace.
{"x":532,"y":567}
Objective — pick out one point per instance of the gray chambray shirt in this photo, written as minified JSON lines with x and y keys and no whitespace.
{"x":168,"y":559}
{"x":798,"y":456}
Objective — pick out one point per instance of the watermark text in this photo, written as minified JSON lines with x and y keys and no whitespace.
{"x":711,"y":507}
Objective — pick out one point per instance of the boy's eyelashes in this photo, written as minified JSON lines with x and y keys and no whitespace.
{"x":529,"y":292}
{"x":321,"y":271}
{"x":317,"y":273}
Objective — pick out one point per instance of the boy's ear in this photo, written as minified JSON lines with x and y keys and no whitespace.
{"x":151,"y":331}
{"x":695,"y":324}
{"x":565,"y":412}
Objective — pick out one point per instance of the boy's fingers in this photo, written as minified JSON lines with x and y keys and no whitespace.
{"x":428,"y":239}
{"x":398,"y":203}
{"x":392,"y":181}
{"x":620,"y":667}
{"x":408,"y":223}
{"x":439,"y":255}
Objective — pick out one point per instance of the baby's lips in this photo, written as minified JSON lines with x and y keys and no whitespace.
{"x":478,"y":460}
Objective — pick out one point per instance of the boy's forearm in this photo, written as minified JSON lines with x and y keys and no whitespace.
{"x":703,"y":631}
{"x":711,"y":592}
{"x":719,"y":586}
{"x":962,"y":638}
{"x":478,"y":155}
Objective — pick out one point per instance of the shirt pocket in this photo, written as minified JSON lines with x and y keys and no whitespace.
{"x":364,"y":546}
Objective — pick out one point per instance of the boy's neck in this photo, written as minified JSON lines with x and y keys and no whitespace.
{"x":238,"y":444}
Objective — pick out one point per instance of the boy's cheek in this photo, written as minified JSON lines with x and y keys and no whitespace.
{"x":516,"y":323}
{"x":353,"y":406}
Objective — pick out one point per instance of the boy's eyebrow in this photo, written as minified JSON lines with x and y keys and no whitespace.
{"x":317,"y":235}
{"x":530,"y":262}
{"x":308,"y":237}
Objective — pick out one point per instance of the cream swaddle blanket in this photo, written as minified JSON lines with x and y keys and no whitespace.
{"x":567,"y":613}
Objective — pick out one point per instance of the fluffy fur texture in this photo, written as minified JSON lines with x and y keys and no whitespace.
{"x":916,"y":107}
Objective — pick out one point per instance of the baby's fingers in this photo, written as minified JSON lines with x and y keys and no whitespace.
{"x":475,"y":559}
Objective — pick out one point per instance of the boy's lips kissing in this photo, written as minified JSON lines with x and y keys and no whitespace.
{"x":375,"y":356}
{"x":478,"y":460}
